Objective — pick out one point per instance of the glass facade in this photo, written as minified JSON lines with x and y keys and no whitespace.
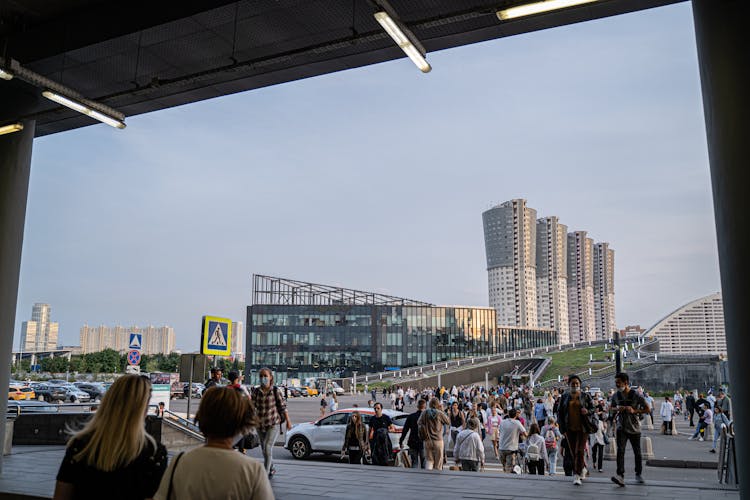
{"x":299,"y":341}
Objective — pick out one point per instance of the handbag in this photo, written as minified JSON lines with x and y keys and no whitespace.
{"x":251,"y":440}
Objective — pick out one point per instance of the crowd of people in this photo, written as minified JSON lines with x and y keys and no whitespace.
{"x":528,"y":432}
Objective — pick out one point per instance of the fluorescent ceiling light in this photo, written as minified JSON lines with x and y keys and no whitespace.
{"x":402,"y":40}
{"x":81,"y":108}
{"x":9,"y":129}
{"x":537,"y":7}
{"x":5,"y":75}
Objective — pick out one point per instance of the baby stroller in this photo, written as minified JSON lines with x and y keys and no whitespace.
{"x":677,"y":407}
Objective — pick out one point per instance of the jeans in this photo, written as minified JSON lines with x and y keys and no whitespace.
{"x":267,"y":437}
{"x":635,"y":442}
{"x":597,"y":452}
{"x":668,"y":427}
{"x":470,"y":465}
{"x":701,"y":425}
{"x":552,"y":455}
{"x":417,"y":457}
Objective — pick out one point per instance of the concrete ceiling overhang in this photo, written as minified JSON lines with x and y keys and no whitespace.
{"x":142,"y":56}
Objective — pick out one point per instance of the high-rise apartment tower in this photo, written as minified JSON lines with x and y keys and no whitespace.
{"x":39,"y":334}
{"x":552,"y":276}
{"x":581,"y":287}
{"x":510,"y":244}
{"x":604,"y":290}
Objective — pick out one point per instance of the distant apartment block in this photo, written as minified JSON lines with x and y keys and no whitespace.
{"x":510,"y":244}
{"x":552,"y":276}
{"x":632,"y":331}
{"x":39,"y":334}
{"x":581,"y":287}
{"x":156,"y":339}
{"x":604,"y":290}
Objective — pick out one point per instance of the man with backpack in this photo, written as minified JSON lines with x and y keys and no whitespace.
{"x":627,"y":405}
{"x":271,"y":411}
{"x":552,"y":437}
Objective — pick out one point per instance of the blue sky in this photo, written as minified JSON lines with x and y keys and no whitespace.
{"x":376,"y":179}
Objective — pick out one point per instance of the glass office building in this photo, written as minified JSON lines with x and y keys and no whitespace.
{"x":304,"y":330}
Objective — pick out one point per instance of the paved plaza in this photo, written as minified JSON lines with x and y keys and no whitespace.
{"x":326,"y":477}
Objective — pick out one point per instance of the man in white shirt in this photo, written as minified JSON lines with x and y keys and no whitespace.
{"x":511,"y":430}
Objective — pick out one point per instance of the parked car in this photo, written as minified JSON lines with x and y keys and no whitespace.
{"x":48,"y":392}
{"x":95,"y":391}
{"x":295,"y":392}
{"x":76,"y":395}
{"x":15,"y":394}
{"x":326,"y":435}
{"x":28,"y":391}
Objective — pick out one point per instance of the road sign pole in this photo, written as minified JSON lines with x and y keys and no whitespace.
{"x":190,"y":386}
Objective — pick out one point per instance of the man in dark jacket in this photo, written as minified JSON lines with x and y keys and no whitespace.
{"x":416,"y":445}
{"x":575,"y":413}
{"x":690,"y":407}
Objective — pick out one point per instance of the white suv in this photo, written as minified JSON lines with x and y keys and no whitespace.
{"x":326,"y":435}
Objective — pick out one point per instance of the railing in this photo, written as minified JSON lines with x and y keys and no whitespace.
{"x":15,"y":411}
{"x":185,"y":424}
{"x":727,"y":469}
{"x":442,"y":366}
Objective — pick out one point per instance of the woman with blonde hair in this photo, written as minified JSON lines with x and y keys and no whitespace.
{"x":114,"y":449}
{"x":215,"y":470}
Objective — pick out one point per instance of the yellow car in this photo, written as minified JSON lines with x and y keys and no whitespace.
{"x":28,"y":391}
{"x":16,"y":394}
{"x":311,"y":391}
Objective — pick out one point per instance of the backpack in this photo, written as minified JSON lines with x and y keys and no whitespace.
{"x":532,"y":452}
{"x":550,"y":441}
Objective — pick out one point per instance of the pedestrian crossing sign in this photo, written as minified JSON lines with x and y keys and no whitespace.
{"x":136,"y":341}
{"x":217,"y":336}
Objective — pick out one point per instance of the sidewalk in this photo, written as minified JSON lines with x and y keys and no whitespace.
{"x":307,"y":480}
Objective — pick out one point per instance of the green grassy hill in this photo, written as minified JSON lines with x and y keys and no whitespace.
{"x":566,"y":362}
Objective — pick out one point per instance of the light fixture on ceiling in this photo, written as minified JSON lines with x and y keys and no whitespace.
{"x":5,"y":75}
{"x":537,"y":8}
{"x":82,"y":108}
{"x":9,"y":129}
{"x":408,"y":44}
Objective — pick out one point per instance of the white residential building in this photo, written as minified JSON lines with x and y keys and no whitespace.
{"x":604,"y":290}
{"x":510,"y":244}
{"x":156,"y":339}
{"x":552,"y":276}
{"x":695,"y":328}
{"x":238,"y":340}
{"x":581,"y":317}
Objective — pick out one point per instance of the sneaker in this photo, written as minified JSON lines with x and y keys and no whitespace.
{"x":618,"y":480}
{"x":691,"y":438}
{"x":639,"y":479}
{"x":701,"y":439}
{"x":577,"y":480}
{"x":712,"y":450}
{"x":601,"y":470}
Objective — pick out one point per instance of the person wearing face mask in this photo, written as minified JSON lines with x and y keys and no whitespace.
{"x":626,"y":405}
{"x":575,"y":418}
{"x":271,"y":411}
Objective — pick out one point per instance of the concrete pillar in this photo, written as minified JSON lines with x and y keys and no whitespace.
{"x":647,"y":448}
{"x":721,"y":33}
{"x":15,"y":166}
